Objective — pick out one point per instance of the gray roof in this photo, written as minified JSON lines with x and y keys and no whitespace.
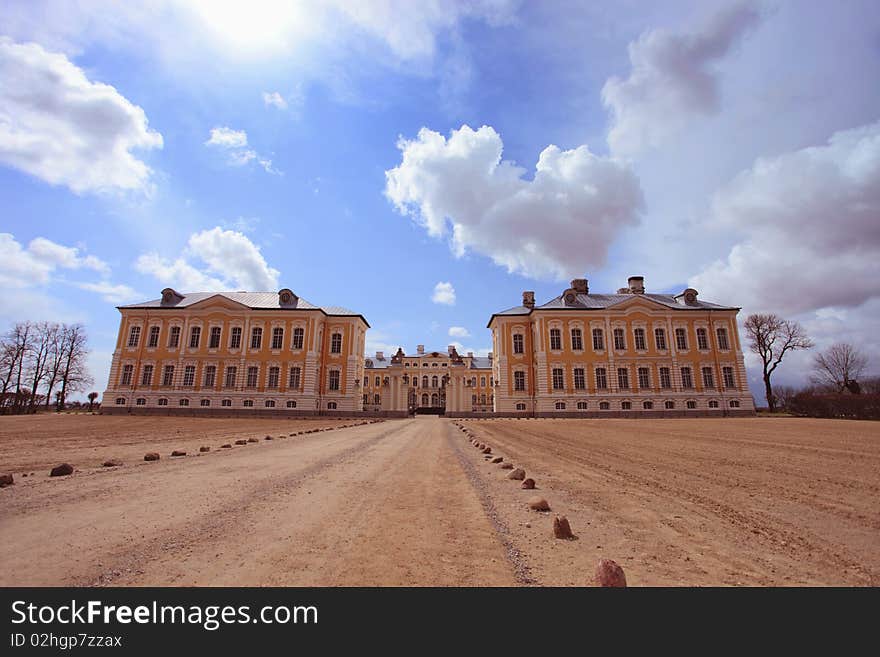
{"x":371,"y":363}
{"x":603,"y":301}
{"x":254,"y":300}
{"x":481,"y":363}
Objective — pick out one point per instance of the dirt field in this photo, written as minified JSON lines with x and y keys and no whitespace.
{"x":410,"y":502}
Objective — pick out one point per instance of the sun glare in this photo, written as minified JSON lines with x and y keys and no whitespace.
{"x":255,"y":24}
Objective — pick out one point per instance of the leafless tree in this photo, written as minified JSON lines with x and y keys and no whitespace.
{"x":771,"y":337}
{"x":839,"y":366}
{"x":75,"y":375}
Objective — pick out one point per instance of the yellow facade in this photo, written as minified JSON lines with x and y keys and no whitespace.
{"x":624,"y":353}
{"x":238,"y":351}
{"x":422,"y":382}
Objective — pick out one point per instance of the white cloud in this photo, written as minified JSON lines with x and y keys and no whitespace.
{"x":229,"y":261}
{"x":227,"y":138}
{"x":444,"y":293}
{"x":20,"y":267}
{"x":57,"y":125}
{"x":243,"y":224}
{"x":463,"y":350}
{"x":809,"y":226}
{"x":459,"y":332}
{"x":555,"y":225}
{"x":274,"y":99}
{"x":234,"y":144}
{"x":672,"y":80}
{"x":110,"y":292}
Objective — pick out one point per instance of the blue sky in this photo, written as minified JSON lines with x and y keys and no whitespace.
{"x":363,"y":153}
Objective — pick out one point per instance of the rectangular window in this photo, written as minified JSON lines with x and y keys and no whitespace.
{"x":619,"y":339}
{"x":253,"y":374}
{"x":681,"y":339}
{"x":298,"y":338}
{"x":168,"y":375}
{"x":189,"y":375}
{"x":226,"y":402}
{"x":727,"y":375}
{"x":256,"y":338}
{"x":580,"y":381}
{"x":644,"y":378}
{"x":722,"y":338}
{"x":687,"y":380}
{"x":519,"y":380}
{"x":665,"y":378}
{"x":660,"y":339}
{"x":277,"y":337}
{"x":214,"y":340}
{"x":154,"y":337}
{"x":708,"y":378}
{"x":295,"y":378}
{"x":235,"y":338}
{"x":640,"y":339}
{"x":601,"y":379}
{"x":555,"y":339}
{"x":210,"y":376}
{"x":127,"y":371}
{"x":134,"y":336}
{"x":558,"y":379}
{"x":273,"y":377}
{"x":231,"y":373}
{"x":598,"y":339}
{"x":174,"y":337}
{"x":518,"y":346}
{"x":577,"y":340}
{"x":147,"y":375}
{"x":336,"y":343}
{"x":622,"y":378}
{"x":195,"y":336}
{"x":702,"y":339}
{"x":334,"y":380}
{"x":205,"y":402}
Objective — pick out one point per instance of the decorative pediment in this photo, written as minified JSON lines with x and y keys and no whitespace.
{"x":639,"y":301}
{"x":218,"y":302}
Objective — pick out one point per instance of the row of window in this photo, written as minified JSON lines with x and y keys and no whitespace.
{"x":643,"y":375}
{"x":230,"y":380}
{"x":432,"y":382}
{"x":627,"y":405}
{"x":235,"y":335}
{"x":639,"y":339}
{"x":225,"y":403}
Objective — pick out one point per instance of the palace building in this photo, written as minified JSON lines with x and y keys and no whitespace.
{"x":246,"y":352}
{"x":429,"y":382}
{"x":628,"y":354}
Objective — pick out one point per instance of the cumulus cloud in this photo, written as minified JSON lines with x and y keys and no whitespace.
{"x":554,"y":225}
{"x":57,"y":125}
{"x":234,"y":144}
{"x":274,"y":99}
{"x":809,"y":226}
{"x":227,"y":259}
{"x":459,"y":332}
{"x":673,"y":79}
{"x":444,"y":294}
{"x":23,"y":267}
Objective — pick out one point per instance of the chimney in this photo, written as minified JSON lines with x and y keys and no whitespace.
{"x":380,"y":355}
{"x":420,"y":349}
{"x":580,"y":285}
{"x":636,"y":284}
{"x":528,"y":299}
{"x":470,"y":354}
{"x":450,"y":349}
{"x":491,"y":355}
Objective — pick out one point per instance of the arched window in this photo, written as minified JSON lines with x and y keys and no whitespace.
{"x":434,"y":381}
{"x":163,"y":401}
{"x":331,"y":406}
{"x":582,"y":406}
{"x":377,"y":399}
{"x":604,"y":406}
{"x":435,"y":399}
{"x":734,"y":403}
{"x":713,"y":404}
{"x":648,"y":405}
{"x":560,"y":406}
{"x":291,"y":403}
{"x":626,"y":406}
{"x":143,"y":402}
{"x":425,"y":381}
{"x":520,"y":407}
{"x":120,"y":401}
{"x":424,"y":400}
{"x":669,"y":405}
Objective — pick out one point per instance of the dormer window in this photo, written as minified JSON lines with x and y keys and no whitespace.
{"x":286,"y":298}
{"x":171,"y":297}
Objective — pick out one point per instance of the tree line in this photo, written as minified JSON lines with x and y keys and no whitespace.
{"x":838,"y":386}
{"x":42,"y":363}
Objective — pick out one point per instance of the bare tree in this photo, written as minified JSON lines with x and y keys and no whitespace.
{"x":75,"y":375}
{"x":38,"y":358}
{"x":839,"y":366}
{"x":771,"y":337}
